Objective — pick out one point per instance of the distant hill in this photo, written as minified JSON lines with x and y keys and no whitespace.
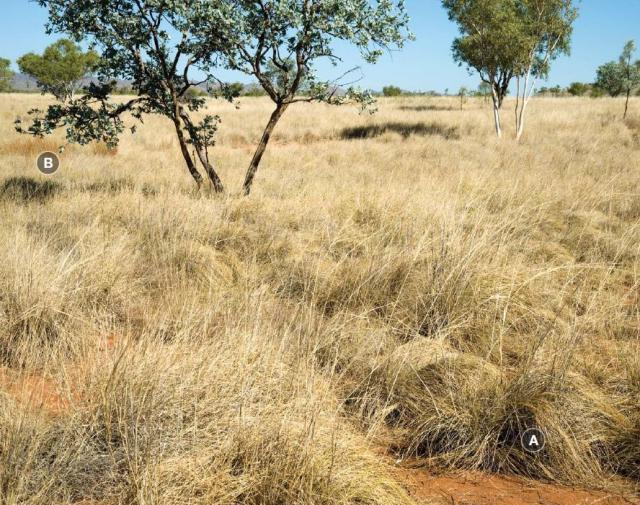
{"x":21,"y":82}
{"x":25,"y":83}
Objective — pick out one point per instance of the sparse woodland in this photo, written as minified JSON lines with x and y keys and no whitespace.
{"x":391,"y":293}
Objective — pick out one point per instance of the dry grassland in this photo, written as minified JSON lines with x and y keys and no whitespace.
{"x":402,"y":282}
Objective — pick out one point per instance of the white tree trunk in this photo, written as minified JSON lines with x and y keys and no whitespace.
{"x":522,"y":101}
{"x":517,"y":108}
{"x":496,"y":112}
{"x":496,"y":118}
{"x":525,"y":102}
{"x":527,"y":91}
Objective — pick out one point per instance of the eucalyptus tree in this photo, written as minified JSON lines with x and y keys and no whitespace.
{"x":484,"y":90}
{"x":620,"y":77}
{"x":486,"y":44}
{"x":391,"y":91}
{"x":578,"y":88}
{"x":507,"y":39}
{"x":60,"y":69}
{"x":545,"y":27}
{"x":463,"y":93}
{"x":149,"y":43}
{"x":6,"y":75}
{"x":630,"y":72}
{"x":279,"y":42}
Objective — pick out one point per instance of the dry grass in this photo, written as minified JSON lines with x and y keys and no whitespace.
{"x":401,"y":280}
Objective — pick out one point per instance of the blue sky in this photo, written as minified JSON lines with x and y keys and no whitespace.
{"x":600,"y":32}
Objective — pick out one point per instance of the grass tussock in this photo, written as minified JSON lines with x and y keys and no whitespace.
{"x":170,"y":426}
{"x":428,"y":291}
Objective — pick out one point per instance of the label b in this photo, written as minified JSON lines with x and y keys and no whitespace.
{"x":48,"y":163}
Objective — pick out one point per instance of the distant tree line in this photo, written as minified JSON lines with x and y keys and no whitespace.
{"x":614,"y":78}
{"x":483,"y":90}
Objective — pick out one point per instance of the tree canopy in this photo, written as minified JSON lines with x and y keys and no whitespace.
{"x":279,"y":42}
{"x":60,"y":68}
{"x":610,"y":79}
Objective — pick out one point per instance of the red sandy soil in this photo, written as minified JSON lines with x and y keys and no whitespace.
{"x":35,"y":391}
{"x":476,"y":488}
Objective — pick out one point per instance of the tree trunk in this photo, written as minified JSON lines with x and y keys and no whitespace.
{"x":517,"y":102}
{"x":262,"y":146}
{"x":520,"y":129}
{"x":496,"y":113}
{"x":201,"y":153}
{"x":213,"y":176}
{"x":525,"y":101}
{"x":626,"y":104}
{"x":496,"y":118}
{"x":185,"y":154}
{"x":527,"y":93}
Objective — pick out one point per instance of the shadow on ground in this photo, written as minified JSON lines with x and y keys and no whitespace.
{"x":423,"y":108}
{"x":27,"y":189}
{"x":404,"y":129}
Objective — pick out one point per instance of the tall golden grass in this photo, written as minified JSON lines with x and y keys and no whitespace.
{"x":402,"y":281}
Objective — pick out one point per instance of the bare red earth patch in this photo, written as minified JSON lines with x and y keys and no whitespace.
{"x":476,"y":488}
{"x":35,"y":391}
